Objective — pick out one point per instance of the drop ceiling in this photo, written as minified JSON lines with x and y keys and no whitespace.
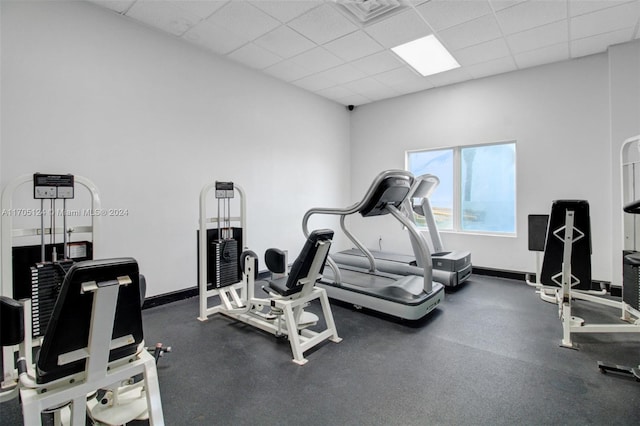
{"x":328,"y":47}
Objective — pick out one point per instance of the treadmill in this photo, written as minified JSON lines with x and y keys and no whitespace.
{"x":450,"y":268}
{"x":406,"y":296}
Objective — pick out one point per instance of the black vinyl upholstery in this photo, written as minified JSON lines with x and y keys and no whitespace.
{"x":300,"y":268}
{"x":581,"y":248}
{"x":275,"y":260}
{"x":11,"y":322}
{"x":70,"y":324}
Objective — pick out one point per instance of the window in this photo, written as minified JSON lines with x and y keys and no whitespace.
{"x":477,"y":191}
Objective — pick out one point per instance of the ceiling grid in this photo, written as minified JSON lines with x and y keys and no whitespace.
{"x":340,"y":49}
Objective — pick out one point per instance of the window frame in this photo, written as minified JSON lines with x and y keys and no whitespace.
{"x":457,"y":186}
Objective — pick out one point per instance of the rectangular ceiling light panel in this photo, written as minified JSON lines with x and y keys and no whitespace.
{"x":426,"y":55}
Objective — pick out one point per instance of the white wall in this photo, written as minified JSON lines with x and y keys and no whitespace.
{"x":150,"y":120}
{"x":624,"y":86}
{"x":559,"y":116}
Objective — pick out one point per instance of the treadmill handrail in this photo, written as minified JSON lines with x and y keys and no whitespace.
{"x":423,"y":249}
{"x":354,"y":208}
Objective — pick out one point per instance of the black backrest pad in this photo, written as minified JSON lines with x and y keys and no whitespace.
{"x":276,"y":260}
{"x":391,"y":190}
{"x":581,"y":249}
{"x":302,"y":264}
{"x":69,"y":327}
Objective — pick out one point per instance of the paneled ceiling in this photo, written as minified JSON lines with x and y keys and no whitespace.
{"x":329,"y":48}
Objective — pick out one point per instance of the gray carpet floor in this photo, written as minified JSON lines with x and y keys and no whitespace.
{"x":489,"y":355}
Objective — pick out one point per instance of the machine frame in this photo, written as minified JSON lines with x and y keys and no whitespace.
{"x":282,"y":316}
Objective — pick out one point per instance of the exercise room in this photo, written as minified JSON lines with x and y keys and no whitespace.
{"x":324,"y":212}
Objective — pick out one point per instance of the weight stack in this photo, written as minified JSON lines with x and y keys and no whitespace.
{"x":226,"y":262}
{"x":46,"y":280}
{"x":631,"y":280}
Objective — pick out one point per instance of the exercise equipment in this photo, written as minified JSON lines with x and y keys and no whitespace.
{"x":566,"y":272}
{"x":450,"y":268}
{"x":83,"y":316}
{"x":629,"y":161}
{"x":93,"y":344}
{"x":36,"y":272}
{"x":282,"y":312}
{"x":408,"y":296}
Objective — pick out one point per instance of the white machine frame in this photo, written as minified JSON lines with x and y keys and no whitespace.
{"x":564,"y":296}
{"x":125,"y":403}
{"x":285,"y":316}
{"x":8,"y":389}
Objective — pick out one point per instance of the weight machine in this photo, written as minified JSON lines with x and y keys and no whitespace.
{"x":565,"y":275}
{"x":630,"y":177}
{"x":227,"y":274}
{"x":84,"y":316}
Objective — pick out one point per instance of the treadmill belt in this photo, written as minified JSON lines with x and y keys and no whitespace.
{"x":381,"y":255}
{"x":359,"y":279}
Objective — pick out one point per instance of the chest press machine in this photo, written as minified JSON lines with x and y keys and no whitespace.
{"x":566,"y":273}
{"x":92,"y":344}
{"x":282,"y":312}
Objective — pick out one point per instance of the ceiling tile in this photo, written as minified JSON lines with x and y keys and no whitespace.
{"x":315,"y":82}
{"x":317,"y":59}
{"x":580,"y":7}
{"x":254,"y":56}
{"x":539,"y":37}
{"x":202,"y":9}
{"x":242,"y":18}
{"x":470,"y":33}
{"x":322,"y":24}
{"x":336,"y":92}
{"x":284,"y":11}
{"x":413,"y":87}
{"x":530,"y":14}
{"x":398,"y":29}
{"x":398,"y":76}
{"x":343,"y":74}
{"x":217,"y":39}
{"x":354,"y":100}
{"x":287,"y":70}
{"x":285,"y":42}
{"x":503,"y":4}
{"x":442,"y":14}
{"x":449,"y":77}
{"x":482,"y":52}
{"x":600,"y":42}
{"x":532,"y":58}
{"x":371,"y":88}
{"x":497,"y":66}
{"x":386,"y":93}
{"x":117,"y":5}
{"x":163,"y":15}
{"x":605,"y":20}
{"x":378,"y":62}
{"x":353,"y":46}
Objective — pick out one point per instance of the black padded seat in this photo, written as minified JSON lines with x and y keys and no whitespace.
{"x":70,"y":324}
{"x":290,"y":285}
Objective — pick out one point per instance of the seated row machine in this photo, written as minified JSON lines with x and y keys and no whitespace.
{"x":93,"y":346}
